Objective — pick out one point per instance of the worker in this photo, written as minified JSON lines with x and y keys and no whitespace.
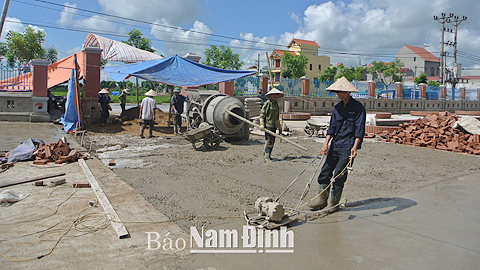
{"x":123,"y":100}
{"x":269,"y":120}
{"x":147,"y":113}
{"x":261,"y":96}
{"x":177,"y":109}
{"x":346,"y":131}
{"x":104,"y":105}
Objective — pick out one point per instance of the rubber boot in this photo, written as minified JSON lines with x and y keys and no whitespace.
{"x":268,"y":152}
{"x":179,"y":130}
{"x":321,"y":200}
{"x":334,"y":200}
{"x":175,"y":129}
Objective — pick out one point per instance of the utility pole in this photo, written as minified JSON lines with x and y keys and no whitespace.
{"x":456,"y":21}
{"x":442,"y":20}
{"x":4,"y":14}
{"x":258,"y":64}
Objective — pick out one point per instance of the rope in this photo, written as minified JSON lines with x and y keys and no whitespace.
{"x":278,"y":198}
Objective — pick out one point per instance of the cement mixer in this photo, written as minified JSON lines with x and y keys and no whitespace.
{"x":208,"y":107}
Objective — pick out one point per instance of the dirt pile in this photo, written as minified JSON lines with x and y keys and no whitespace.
{"x":436,"y":131}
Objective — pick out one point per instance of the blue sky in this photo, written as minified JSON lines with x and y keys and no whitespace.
{"x":350,"y":32}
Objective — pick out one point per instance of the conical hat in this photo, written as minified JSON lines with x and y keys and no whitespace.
{"x":104,"y":91}
{"x":177,"y":90}
{"x":151,"y":93}
{"x":342,"y":85}
{"x":275,"y":91}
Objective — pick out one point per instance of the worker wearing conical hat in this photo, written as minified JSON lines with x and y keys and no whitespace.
{"x":104,"y":105}
{"x":346,"y":131}
{"x":269,"y":120}
{"x":147,"y":113}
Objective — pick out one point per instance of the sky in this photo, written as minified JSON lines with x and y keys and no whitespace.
{"x":351,"y":32}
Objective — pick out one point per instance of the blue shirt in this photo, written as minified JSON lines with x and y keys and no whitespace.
{"x":346,"y":124}
{"x":104,"y":100}
{"x":177,"y":102}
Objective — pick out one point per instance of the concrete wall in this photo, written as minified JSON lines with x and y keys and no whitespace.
{"x":15,"y":106}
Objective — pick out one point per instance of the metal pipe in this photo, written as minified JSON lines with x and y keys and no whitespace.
{"x":266,"y":130}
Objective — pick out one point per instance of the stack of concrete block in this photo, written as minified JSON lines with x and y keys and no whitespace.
{"x":252,"y":106}
{"x":436,"y":131}
{"x":59,"y":153}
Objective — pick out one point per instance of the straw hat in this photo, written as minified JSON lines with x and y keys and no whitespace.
{"x":104,"y":91}
{"x":342,"y":85}
{"x":126,"y":91}
{"x":177,"y":90}
{"x":151,"y":93}
{"x":276,"y":91}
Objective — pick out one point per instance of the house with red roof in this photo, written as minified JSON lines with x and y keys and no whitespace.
{"x":419,"y":60}
{"x":316,"y":63}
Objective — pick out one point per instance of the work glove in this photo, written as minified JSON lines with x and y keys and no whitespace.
{"x":262,"y":124}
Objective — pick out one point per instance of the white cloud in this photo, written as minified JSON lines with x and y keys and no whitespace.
{"x":66,"y":16}
{"x":13,"y":24}
{"x":179,"y":41}
{"x":380,"y":27}
{"x":177,"y":12}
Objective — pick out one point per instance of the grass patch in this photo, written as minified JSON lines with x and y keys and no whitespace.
{"x":131,"y":98}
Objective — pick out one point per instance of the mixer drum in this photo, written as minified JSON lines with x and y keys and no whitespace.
{"x":214,"y":113}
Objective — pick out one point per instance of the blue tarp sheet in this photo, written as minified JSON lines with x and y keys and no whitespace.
{"x":70,"y":118}
{"x":176,"y":71}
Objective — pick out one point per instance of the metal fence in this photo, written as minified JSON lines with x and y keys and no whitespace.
{"x":248,"y":86}
{"x":15,"y":79}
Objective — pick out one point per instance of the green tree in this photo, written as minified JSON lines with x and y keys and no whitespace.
{"x":387,"y":73}
{"x":328,"y":75}
{"x":20,"y":48}
{"x":350,"y":73}
{"x":422,"y":78}
{"x":294,"y":65}
{"x":433,"y":83}
{"x":137,"y":40}
{"x":222,"y":57}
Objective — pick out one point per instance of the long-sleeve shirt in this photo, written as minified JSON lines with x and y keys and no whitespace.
{"x":177,"y":102}
{"x":269,"y":113}
{"x":346,"y":124}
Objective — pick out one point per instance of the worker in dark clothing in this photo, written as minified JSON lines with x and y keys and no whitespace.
{"x":104,"y":105}
{"x":262,"y":97}
{"x":177,"y":109}
{"x":269,"y":120}
{"x":346,"y":131}
{"x":123,"y":100}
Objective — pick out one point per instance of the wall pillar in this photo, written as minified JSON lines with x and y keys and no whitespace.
{"x":462,"y":93}
{"x":91,"y":83}
{"x":478,"y":93}
{"x":39,"y":72}
{"x":398,"y":90}
{"x":39,"y":93}
{"x":371,"y":89}
{"x":305,"y":86}
{"x":226,"y":88}
{"x":264,"y":82}
{"x":443,"y":92}
{"x":423,"y":91}
{"x":195,"y":58}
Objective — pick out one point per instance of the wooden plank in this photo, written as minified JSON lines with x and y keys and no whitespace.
{"x":117,"y":224}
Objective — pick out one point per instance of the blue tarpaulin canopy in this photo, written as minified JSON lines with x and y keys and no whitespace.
{"x":176,"y":71}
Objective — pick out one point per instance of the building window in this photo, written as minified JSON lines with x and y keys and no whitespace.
{"x":414,"y":59}
{"x":311,"y":66}
{"x":319,"y":67}
{"x":277,"y":63}
{"x":314,"y":53}
{"x":432,"y":71}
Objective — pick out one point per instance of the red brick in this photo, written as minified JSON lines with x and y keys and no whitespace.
{"x":81,"y":185}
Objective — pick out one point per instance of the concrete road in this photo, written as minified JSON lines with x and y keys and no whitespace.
{"x":431,"y":228}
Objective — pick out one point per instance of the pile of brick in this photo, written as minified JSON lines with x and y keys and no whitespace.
{"x":59,"y":153}
{"x":436,"y":131}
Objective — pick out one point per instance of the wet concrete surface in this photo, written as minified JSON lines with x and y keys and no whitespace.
{"x":434,"y":227}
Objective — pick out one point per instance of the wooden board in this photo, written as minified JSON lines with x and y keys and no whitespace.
{"x":117,"y":224}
